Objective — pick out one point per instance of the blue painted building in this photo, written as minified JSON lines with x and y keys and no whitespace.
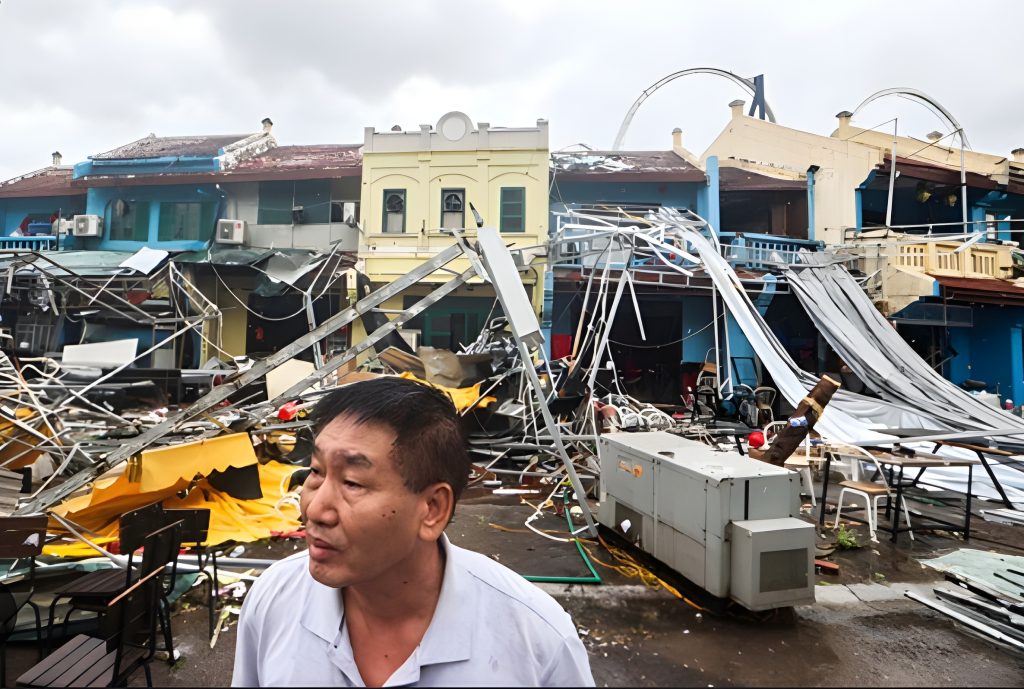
{"x":969,"y":325}
{"x":30,"y":203}
{"x":759,"y":218}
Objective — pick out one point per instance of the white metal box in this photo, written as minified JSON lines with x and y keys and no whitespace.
{"x":230,"y":231}
{"x":679,"y":498}
{"x":88,"y":226}
{"x":772,"y":563}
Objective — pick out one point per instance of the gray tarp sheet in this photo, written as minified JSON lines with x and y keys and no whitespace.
{"x":869,"y":345}
{"x":849,"y":417}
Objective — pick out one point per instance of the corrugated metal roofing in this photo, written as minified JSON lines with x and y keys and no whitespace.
{"x":316,"y":156}
{"x":161,"y":146}
{"x":654,"y":166}
{"x":987,"y":290}
{"x":54,"y":180}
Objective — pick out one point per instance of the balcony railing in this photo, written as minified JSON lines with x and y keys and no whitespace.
{"x":37,"y":243}
{"x":765,"y":251}
{"x":956,"y":260}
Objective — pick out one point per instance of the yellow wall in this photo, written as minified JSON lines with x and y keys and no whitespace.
{"x":482,"y":161}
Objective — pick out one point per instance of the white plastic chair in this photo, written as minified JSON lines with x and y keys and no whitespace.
{"x":872,"y":493}
{"x":797,"y":463}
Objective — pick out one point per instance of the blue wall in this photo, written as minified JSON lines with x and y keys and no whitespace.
{"x":13,"y":211}
{"x":100,"y":197}
{"x":991,"y":351}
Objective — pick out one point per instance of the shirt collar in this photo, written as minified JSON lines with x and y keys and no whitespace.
{"x":449,"y":637}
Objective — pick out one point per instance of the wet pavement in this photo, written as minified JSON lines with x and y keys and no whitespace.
{"x":861,"y":632}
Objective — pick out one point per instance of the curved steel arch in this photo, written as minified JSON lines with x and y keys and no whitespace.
{"x":748,"y":84}
{"x":922,"y":97}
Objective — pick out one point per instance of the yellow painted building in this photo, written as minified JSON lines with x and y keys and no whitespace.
{"x":417,"y":185}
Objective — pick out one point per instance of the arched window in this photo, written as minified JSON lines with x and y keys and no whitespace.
{"x":453,"y":208}
{"x":394,"y":210}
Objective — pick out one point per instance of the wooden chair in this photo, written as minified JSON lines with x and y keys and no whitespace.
{"x":127,"y":642}
{"x":195,"y":529}
{"x":93,"y":591}
{"x":20,"y":537}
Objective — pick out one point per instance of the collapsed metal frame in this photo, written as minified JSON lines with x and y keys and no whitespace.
{"x":496,"y":252}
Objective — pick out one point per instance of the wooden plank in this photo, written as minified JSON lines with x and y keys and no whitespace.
{"x":98,"y":674}
{"x":826,"y":567}
{"x":80,"y":649}
{"x":977,"y":448}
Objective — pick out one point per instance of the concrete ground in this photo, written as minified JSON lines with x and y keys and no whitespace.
{"x":861,"y":631}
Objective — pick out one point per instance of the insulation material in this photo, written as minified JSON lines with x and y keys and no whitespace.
{"x":463,"y":398}
{"x":231,"y":519}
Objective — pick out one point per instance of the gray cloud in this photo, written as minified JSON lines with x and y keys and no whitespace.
{"x":86,"y":76}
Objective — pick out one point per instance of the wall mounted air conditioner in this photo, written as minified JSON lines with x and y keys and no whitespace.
{"x":230,"y":231}
{"x":88,"y":226}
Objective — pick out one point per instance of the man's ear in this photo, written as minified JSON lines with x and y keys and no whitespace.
{"x":439,"y":500}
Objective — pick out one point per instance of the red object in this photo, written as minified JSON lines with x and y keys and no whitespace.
{"x":288,"y":411}
{"x":756,"y":439}
{"x":1008,"y":405}
{"x":561,"y":346}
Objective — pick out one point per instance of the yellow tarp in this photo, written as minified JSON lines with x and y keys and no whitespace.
{"x":165,"y":472}
{"x":463,"y":398}
{"x":15,"y":440}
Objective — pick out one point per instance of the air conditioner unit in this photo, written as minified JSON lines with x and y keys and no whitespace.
{"x":230,"y":231}
{"x":88,"y":226}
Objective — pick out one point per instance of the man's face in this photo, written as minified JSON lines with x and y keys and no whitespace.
{"x":361,"y":520}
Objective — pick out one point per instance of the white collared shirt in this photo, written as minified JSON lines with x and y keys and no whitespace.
{"x":491,"y":627}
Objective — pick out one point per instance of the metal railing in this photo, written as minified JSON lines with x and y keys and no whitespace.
{"x":46,"y":242}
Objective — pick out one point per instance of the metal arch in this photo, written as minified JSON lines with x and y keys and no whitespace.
{"x":922,"y":97}
{"x":748,"y":84}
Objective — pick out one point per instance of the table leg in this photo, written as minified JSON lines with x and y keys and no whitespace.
{"x":967,"y":517}
{"x":995,"y":481}
{"x":896,"y":509}
{"x":824,"y":489}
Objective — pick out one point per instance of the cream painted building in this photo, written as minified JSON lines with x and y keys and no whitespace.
{"x":418,"y":185}
{"x":842,"y":165}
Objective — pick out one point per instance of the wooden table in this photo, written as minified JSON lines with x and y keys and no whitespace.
{"x":920,"y":461}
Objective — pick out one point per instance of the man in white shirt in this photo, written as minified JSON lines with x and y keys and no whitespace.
{"x":381,"y":597}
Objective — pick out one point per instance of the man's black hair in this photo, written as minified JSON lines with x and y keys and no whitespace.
{"x":429,"y":446}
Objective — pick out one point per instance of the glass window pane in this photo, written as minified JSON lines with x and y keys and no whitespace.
{"x":315,"y":198}
{"x":185,"y":221}
{"x":275,"y":204}
{"x":394,"y":210}
{"x":129,"y":220}
{"x":513,"y":209}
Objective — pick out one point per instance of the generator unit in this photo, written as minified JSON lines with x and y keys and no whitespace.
{"x":726,"y":522}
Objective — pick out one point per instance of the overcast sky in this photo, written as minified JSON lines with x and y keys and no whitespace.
{"x":88,"y":75}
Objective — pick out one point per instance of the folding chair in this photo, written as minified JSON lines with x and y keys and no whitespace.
{"x":127,"y":642}
{"x":872,"y":494}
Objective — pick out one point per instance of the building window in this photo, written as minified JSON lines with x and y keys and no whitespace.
{"x":394,"y":210}
{"x":186,"y":221}
{"x":513,"y":209}
{"x":306,"y":202}
{"x":453,"y":209}
{"x":129,"y":220}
